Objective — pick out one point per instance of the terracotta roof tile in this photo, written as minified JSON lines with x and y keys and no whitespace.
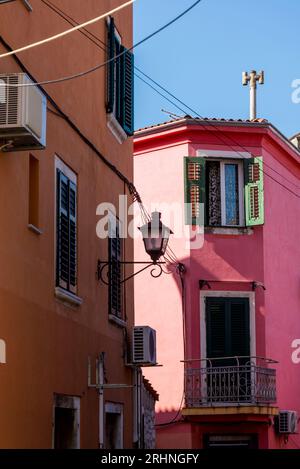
{"x":204,"y":119}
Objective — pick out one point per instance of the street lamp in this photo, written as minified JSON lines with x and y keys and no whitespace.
{"x":156,"y":237}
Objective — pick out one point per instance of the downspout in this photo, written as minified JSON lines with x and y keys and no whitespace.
{"x":101,"y":400}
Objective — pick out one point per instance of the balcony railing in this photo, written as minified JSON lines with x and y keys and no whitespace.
{"x":230,"y":381}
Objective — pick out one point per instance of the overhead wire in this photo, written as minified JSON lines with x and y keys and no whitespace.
{"x":68,"y":31}
{"x":68,"y":18}
{"x":103,"y":64}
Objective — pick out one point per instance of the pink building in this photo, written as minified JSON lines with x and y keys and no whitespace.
{"x":227,"y":328}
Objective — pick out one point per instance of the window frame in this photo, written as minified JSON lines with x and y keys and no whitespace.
{"x":120,"y":318}
{"x":72,"y":177}
{"x":241,"y":192}
{"x":116,"y":111}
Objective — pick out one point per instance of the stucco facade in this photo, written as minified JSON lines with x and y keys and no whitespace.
{"x":49,"y":339}
{"x":224,"y":264}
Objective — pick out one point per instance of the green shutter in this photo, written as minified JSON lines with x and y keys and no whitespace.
{"x":110,"y":68}
{"x":127,"y":91}
{"x":216,"y":339}
{"x":254,"y":191}
{"x":194,"y":189}
{"x":73,"y":237}
{"x":227,"y":328}
{"x":115,"y":272}
{"x":66,"y":238}
{"x":62,"y":227}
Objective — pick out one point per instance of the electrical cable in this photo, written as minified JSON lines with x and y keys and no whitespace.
{"x":68,"y":31}
{"x":64,"y":15}
{"x":214,"y":126}
{"x":97,"y":67}
{"x":131,"y":187}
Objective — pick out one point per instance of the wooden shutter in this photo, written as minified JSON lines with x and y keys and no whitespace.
{"x":110,"y":68}
{"x":62,"y":263}
{"x":194,"y":182}
{"x":115,"y":271}
{"x":227,"y":328}
{"x":254,"y":191}
{"x":127,"y":87}
{"x":239,"y":327}
{"x":73,"y":236}
{"x":215,"y":328}
{"x":66,"y":263}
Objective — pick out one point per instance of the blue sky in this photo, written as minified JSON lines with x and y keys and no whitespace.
{"x":201,"y":57}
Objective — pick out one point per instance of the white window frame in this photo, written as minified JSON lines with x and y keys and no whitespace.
{"x":240,"y":192}
{"x":227,"y":294}
{"x":63,"y":295}
{"x":111,"y":121}
{"x":203,"y":326}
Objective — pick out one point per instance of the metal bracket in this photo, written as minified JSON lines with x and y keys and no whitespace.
{"x":102,"y":265}
{"x":255,"y":284}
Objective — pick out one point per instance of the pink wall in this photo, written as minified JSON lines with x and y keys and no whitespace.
{"x":270,"y":254}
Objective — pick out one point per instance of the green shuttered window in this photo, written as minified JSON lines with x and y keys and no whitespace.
{"x":254,"y":191}
{"x":115,"y":272}
{"x":223,"y":192}
{"x":227,"y":327}
{"x":194,"y":179}
{"x":119,"y":81}
{"x":66,"y":237}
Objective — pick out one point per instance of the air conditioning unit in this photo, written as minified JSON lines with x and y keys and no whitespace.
{"x":287,"y":421}
{"x":22,"y":114}
{"x":144,"y":346}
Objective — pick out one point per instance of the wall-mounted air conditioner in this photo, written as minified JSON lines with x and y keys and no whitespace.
{"x":22,"y":114}
{"x":144,"y":346}
{"x":287,"y":421}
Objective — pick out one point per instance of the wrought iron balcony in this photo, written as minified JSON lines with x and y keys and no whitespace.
{"x":230,"y":381}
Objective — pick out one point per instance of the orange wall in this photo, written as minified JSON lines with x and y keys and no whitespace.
{"x":48,"y":343}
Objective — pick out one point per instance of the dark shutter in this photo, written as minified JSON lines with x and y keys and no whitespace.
{"x":227,"y":328}
{"x":127,"y":86}
{"x":239,"y":327}
{"x":62,"y":264}
{"x":194,"y":189}
{"x":110,"y":68}
{"x":66,"y":263}
{"x":73,"y":236}
{"x":115,"y":272}
{"x":215,"y":327}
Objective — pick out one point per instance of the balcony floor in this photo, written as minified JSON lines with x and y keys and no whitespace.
{"x":231,"y":410}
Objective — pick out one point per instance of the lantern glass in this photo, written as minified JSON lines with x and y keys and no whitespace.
{"x":155,"y":237}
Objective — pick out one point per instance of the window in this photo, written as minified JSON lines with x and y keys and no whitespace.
{"x":119,"y":100}
{"x":230,"y":191}
{"x":33,"y":215}
{"x":66,"y":228}
{"x":227,"y":328}
{"x":115,"y":269}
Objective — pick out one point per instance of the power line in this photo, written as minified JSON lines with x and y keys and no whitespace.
{"x":217,"y":129}
{"x":97,"y":67}
{"x":68,"y":31}
{"x":61,"y":13}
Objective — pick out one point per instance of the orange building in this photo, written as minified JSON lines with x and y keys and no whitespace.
{"x":60,"y":328}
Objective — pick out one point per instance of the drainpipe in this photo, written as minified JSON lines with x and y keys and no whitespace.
{"x":101,"y":399}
